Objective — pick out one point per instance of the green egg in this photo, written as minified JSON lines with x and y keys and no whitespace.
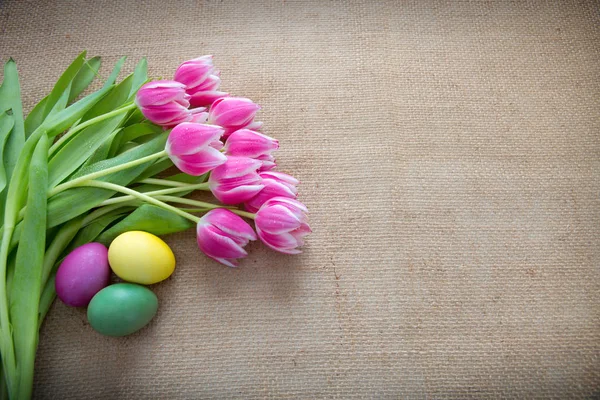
{"x":122,"y":309}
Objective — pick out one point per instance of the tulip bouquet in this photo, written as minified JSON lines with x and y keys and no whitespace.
{"x":83,"y":169}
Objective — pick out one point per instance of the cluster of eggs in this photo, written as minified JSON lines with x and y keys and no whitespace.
{"x":138,"y":258}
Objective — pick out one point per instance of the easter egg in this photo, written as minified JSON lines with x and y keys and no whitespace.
{"x":82,"y":274}
{"x":141,"y":257}
{"x":122,"y":309}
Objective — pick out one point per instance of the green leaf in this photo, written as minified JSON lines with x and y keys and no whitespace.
{"x":60,"y":239}
{"x":127,"y":147}
{"x":67,"y":117}
{"x":140,"y":76}
{"x":115,"y":72}
{"x":155,"y":145}
{"x":148,"y":218}
{"x":113,"y":100}
{"x":135,"y":118}
{"x":46,"y":299}
{"x":6,"y":125}
{"x":77,"y":150}
{"x":64,"y":81}
{"x":61,"y":103}
{"x":36,"y":116}
{"x":156,"y":169}
{"x":103,"y":152}
{"x":43,"y":109}
{"x":73,"y":202}
{"x":91,"y":232}
{"x":80,"y":82}
{"x":26,"y":284}
{"x":132,"y":132}
{"x":84,"y":77}
{"x":10,"y":99}
{"x":10,"y":270}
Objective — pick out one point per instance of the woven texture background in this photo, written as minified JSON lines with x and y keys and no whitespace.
{"x":449,"y":153}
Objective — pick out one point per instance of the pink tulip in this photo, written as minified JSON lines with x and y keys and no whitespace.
{"x":201,"y":80}
{"x":245,"y":142}
{"x":276,"y":184}
{"x":282,"y":223}
{"x":268,"y":162}
{"x":194,"y":72}
{"x":164,"y":103}
{"x":194,"y":148}
{"x":234,"y":113}
{"x":236,"y":181}
{"x":222,"y":236}
{"x":207,"y":93}
{"x":199,"y":115}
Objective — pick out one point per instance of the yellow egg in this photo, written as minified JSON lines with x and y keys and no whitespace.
{"x":141,"y":257}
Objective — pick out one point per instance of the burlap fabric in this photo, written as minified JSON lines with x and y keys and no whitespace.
{"x":449,"y":154}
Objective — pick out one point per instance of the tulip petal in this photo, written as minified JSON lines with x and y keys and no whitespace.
{"x":222,"y":235}
{"x":199,"y":163}
{"x":280,"y":177}
{"x":189,"y":138}
{"x":237,"y":117}
{"x":213,"y":242}
{"x":236,"y":167}
{"x":210,"y":83}
{"x":290,"y":204}
{"x":245,"y":142}
{"x":278,"y":220}
{"x":283,"y":243}
{"x":167,"y":114}
{"x":158,"y":93}
{"x":254,"y":125}
{"x":193,"y":75}
{"x":206,"y":98}
{"x":230,"y":262}
{"x":233,"y":112}
{"x":232,"y":224}
{"x":239,"y":194}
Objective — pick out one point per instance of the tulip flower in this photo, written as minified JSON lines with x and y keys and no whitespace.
{"x":234,"y":113}
{"x":276,"y":184}
{"x":207,"y":93}
{"x":247,"y":143}
{"x":236,"y":181}
{"x":199,"y":115}
{"x":194,"y":148}
{"x":194,"y":72}
{"x":164,"y":102}
{"x":222,"y":236}
{"x":201,"y":80}
{"x":282,"y":223}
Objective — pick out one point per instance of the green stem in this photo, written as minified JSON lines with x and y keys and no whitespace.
{"x":97,"y":213}
{"x":188,"y":187}
{"x":63,"y":138}
{"x":141,"y":196}
{"x":59,"y":243}
{"x":164,"y":182}
{"x":92,"y":121}
{"x":210,"y":206}
{"x":46,"y":299}
{"x":77,"y":181}
{"x":194,"y":210}
{"x":98,"y":174}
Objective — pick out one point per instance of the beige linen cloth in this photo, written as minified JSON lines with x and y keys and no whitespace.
{"x":449,"y":153}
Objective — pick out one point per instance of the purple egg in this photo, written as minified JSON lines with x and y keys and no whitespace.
{"x":82,"y":274}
